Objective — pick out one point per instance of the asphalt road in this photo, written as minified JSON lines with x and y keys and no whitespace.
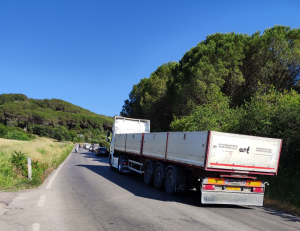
{"x":84,"y":194}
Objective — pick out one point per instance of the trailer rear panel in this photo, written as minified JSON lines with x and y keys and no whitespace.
{"x":243,"y":153}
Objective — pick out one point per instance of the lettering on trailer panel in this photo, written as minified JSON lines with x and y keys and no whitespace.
{"x":228,"y":146}
{"x":245,"y":149}
{"x":266,"y":150}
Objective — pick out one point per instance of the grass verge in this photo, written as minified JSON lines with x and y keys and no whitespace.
{"x":46,"y":154}
{"x":282,"y":206}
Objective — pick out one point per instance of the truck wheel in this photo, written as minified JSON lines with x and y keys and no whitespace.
{"x":110,"y":165}
{"x":119,"y":167}
{"x":147,"y":174}
{"x":170,"y":182}
{"x":157,"y":178}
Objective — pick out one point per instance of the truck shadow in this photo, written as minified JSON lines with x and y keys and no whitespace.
{"x":134,"y":184}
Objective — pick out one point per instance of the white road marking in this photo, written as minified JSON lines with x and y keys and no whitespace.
{"x":55,"y":174}
{"x":36,"y":227}
{"x":42,"y":201}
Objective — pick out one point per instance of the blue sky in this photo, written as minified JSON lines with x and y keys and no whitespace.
{"x":91,"y":53}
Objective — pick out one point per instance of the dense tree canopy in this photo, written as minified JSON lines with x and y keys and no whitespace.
{"x":236,"y":66}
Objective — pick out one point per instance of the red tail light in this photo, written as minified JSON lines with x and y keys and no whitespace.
{"x":258,"y":190}
{"x":124,"y":162}
{"x":208,"y":187}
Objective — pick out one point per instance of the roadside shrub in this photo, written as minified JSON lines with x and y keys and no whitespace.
{"x":104,"y":143}
{"x":19,"y":159}
{"x":16,"y":136}
{"x":14,"y":133}
{"x":61,"y":133}
{"x":38,"y":170}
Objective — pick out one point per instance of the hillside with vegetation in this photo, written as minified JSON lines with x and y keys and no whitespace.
{"x":236,"y":83}
{"x":21,"y":118}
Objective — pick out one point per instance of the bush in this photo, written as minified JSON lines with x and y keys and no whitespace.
{"x":16,"y":136}
{"x":61,"y":133}
{"x":14,"y":133}
{"x":20,"y":161}
{"x":104,"y":143}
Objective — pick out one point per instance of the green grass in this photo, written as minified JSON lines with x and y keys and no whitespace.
{"x":46,"y":155}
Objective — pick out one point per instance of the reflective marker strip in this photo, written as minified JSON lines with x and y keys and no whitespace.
{"x":215,"y":181}
{"x":240,"y":166}
{"x":218,"y":181}
{"x":253,"y":183}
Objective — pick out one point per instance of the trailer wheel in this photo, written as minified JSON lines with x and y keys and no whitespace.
{"x":119,"y":167}
{"x":109,"y":161}
{"x":158,"y":177}
{"x":170,"y":181}
{"x":147,"y":174}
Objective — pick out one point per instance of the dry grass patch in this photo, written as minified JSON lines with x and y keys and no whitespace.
{"x":281,"y":206}
{"x":45,"y":153}
{"x":42,"y":149}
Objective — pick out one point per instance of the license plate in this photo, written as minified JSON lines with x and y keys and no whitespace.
{"x":234,"y":188}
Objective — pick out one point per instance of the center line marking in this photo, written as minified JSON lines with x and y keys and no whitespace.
{"x":36,"y":227}
{"x":41,"y":201}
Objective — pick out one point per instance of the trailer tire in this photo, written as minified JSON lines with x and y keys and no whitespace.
{"x":170,"y":182}
{"x":147,"y":174}
{"x":158,"y":180}
{"x":109,"y":161}
{"x":119,"y":168}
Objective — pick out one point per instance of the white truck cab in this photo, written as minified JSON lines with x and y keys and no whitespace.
{"x":123,"y":125}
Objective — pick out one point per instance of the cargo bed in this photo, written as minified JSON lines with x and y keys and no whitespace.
{"x":209,"y":150}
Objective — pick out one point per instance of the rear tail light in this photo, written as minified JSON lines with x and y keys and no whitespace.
{"x":258,"y":190}
{"x":208,"y":187}
{"x":124,"y":162}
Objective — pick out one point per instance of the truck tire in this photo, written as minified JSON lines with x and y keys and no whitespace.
{"x":158,"y":180}
{"x":109,"y":161}
{"x":170,"y":182}
{"x":147,"y":174}
{"x":119,"y":167}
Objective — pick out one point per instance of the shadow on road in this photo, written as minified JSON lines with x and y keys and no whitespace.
{"x":134,"y":184}
{"x":285,"y":216}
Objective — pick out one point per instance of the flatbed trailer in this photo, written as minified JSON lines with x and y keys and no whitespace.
{"x":223,"y":167}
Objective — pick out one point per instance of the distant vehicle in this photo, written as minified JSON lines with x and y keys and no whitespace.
{"x":102,"y":151}
{"x":91,"y":148}
{"x":87,"y":146}
{"x":95,"y":147}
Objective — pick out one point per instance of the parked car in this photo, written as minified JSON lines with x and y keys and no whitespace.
{"x":102,"y":151}
{"x":91,"y":148}
{"x":95,"y":147}
{"x":87,"y":146}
